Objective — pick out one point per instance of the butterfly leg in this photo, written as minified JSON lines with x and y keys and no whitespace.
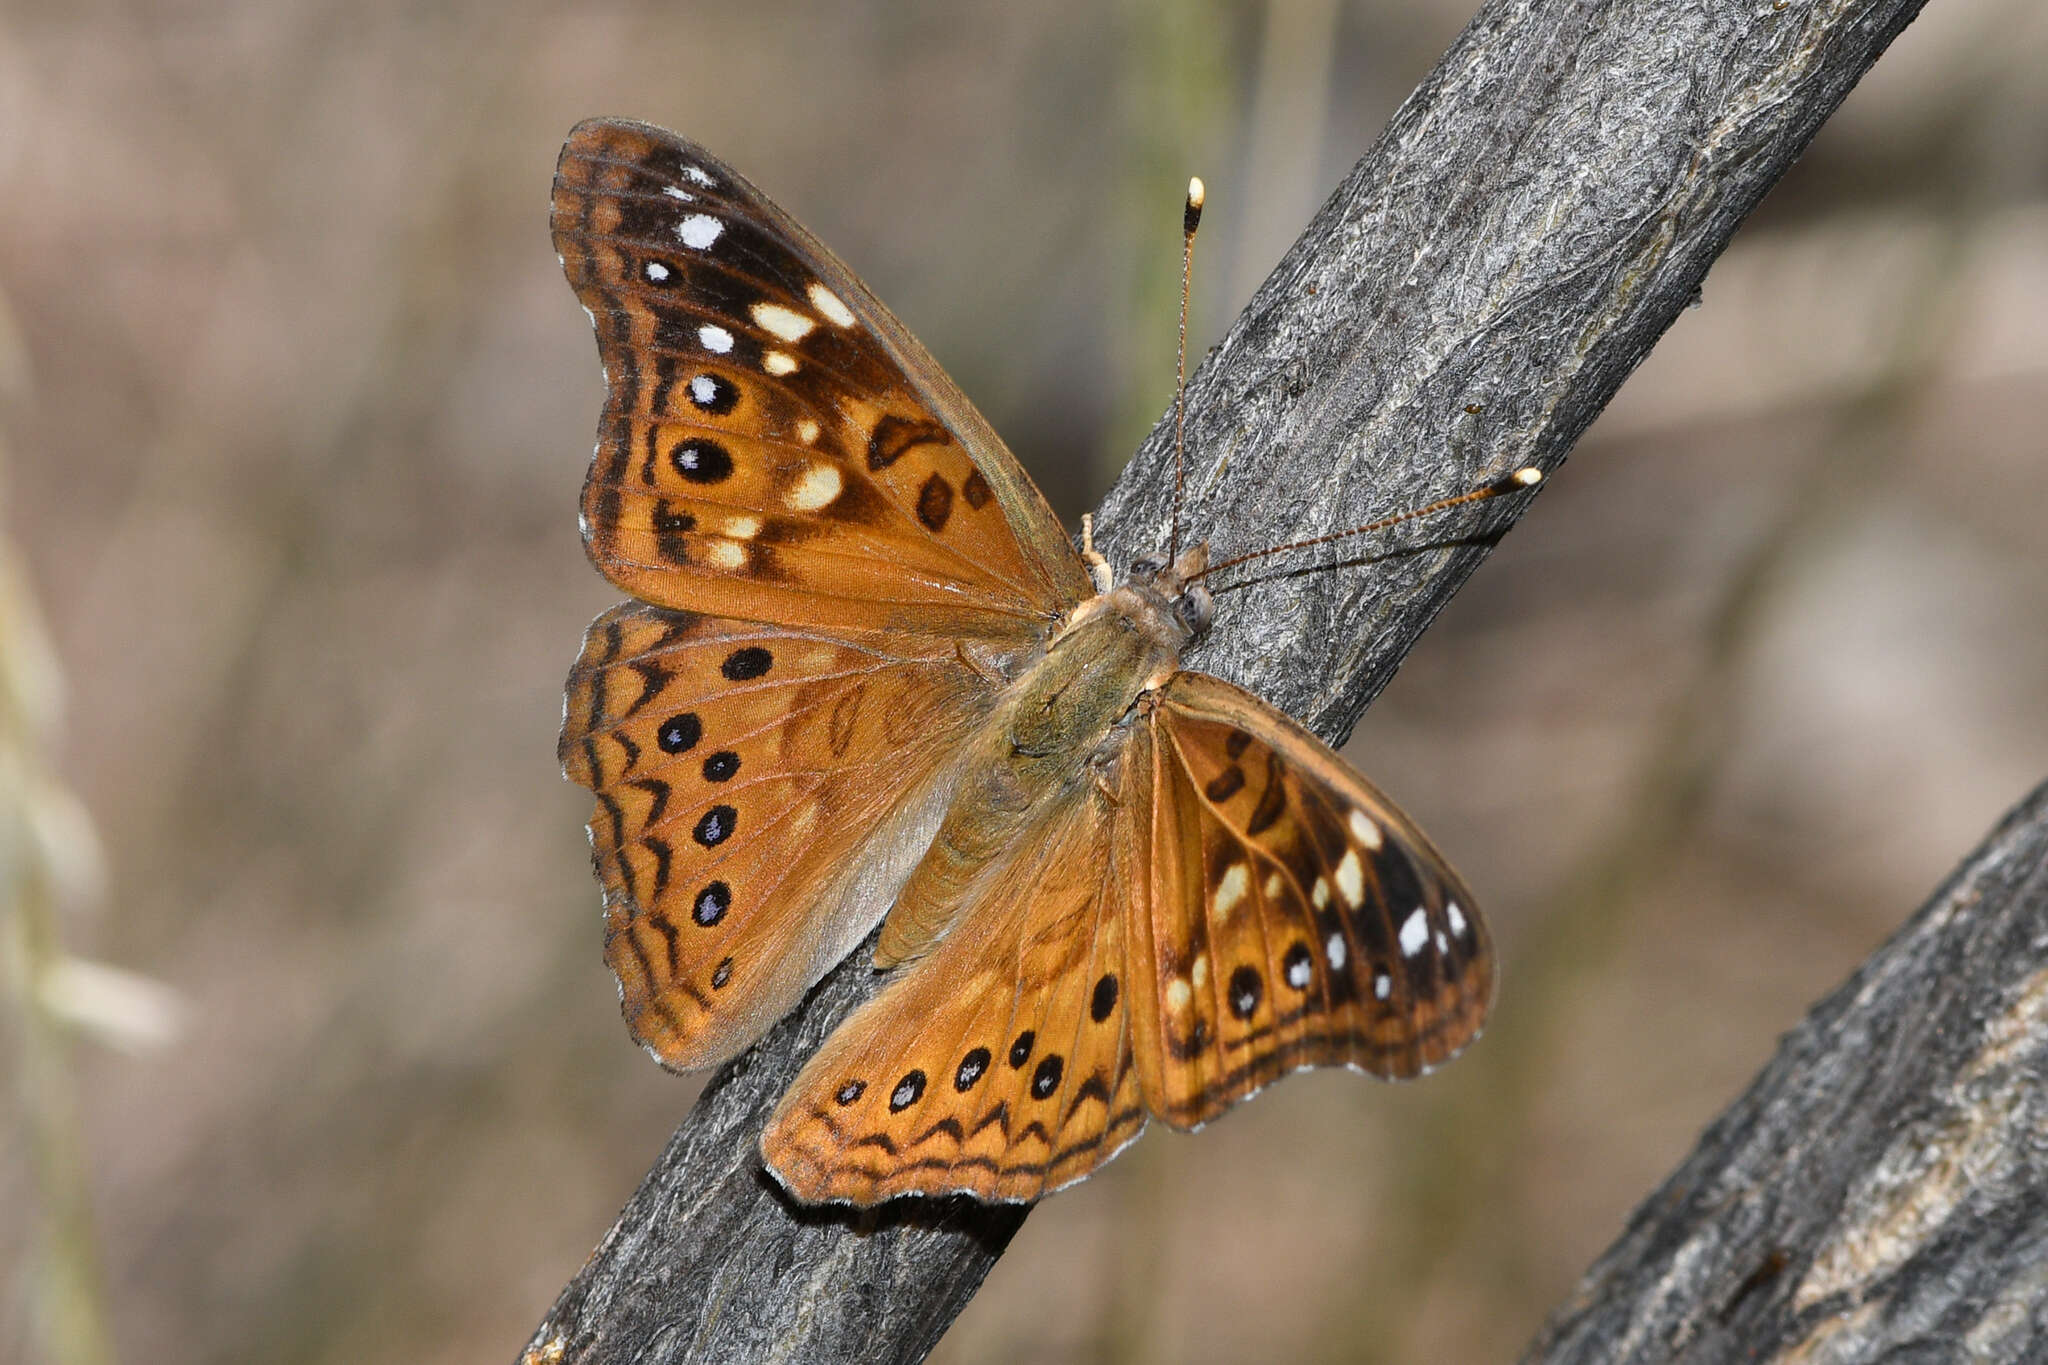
{"x":979,"y":661}
{"x":1099,"y":571}
{"x":1105,"y":777}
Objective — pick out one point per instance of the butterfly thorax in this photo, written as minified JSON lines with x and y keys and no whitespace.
{"x":1059,"y":725}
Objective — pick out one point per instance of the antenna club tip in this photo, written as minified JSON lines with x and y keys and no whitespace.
{"x":1191,"y":215}
{"x":1527,"y":477}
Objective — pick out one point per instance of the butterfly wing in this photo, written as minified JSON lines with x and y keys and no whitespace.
{"x":762,"y":791}
{"x":1000,"y":1065}
{"x":1294,"y":917}
{"x":1228,"y":903}
{"x":775,"y":445}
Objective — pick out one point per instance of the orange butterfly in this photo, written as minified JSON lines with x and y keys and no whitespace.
{"x":868,"y":679}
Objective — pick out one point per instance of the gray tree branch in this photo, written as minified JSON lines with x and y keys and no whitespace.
{"x":1467,"y":301}
{"x":1881,"y":1193}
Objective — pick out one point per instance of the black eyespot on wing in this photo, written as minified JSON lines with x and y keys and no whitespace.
{"x":1104,"y":999}
{"x":1020,"y":1051}
{"x":971,"y":1068}
{"x":713,"y":394}
{"x":935,"y":503}
{"x":747,"y":663}
{"x":1297,"y":968}
{"x":711,"y":904}
{"x":701,"y":460}
{"x":976,"y":491}
{"x":908,"y":1091}
{"x":721,"y":766}
{"x":850,"y":1092}
{"x":1046,"y":1079}
{"x":679,"y":733}
{"x":716,"y":826}
{"x":1246,"y":988}
{"x":721,"y":974}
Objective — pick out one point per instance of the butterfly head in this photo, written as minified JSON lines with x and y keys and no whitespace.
{"x":1178,"y":583}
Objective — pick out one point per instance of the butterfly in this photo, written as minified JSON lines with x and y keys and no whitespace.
{"x":866,"y":678}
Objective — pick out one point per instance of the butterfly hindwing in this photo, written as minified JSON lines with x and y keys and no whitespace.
{"x":757,"y":788}
{"x":1001,"y":1065}
{"x":774,"y":444}
{"x":1294,"y":917}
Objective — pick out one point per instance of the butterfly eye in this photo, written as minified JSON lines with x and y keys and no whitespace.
{"x":1148,"y":568}
{"x":1196,"y":609}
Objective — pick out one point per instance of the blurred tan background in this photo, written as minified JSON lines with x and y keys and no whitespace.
{"x":294,"y":406}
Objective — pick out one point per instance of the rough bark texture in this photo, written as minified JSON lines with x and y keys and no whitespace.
{"x":1466,"y":302}
{"x":1881,"y":1193}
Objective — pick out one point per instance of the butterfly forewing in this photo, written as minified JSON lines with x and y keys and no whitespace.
{"x":1000,"y":1066}
{"x":774,"y":445}
{"x":747,"y":777}
{"x":1294,"y":916}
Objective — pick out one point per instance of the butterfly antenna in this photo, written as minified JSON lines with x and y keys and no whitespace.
{"x":1190,"y":219}
{"x":1512,"y":483}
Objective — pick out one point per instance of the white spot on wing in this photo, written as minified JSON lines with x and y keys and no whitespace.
{"x":1199,"y":973}
{"x":1321,"y":895}
{"x":726,"y":554}
{"x":656,"y":271}
{"x":678,"y":192}
{"x":778,"y":363}
{"x":1237,"y":879}
{"x":743,"y":528}
{"x":1299,"y":973}
{"x":1443,"y":942}
{"x":1364,"y":830}
{"x":1178,"y":994}
{"x":1456,"y":917}
{"x":1382,"y":986}
{"x":715,"y":338}
{"x":699,"y":230}
{"x":1351,"y":879}
{"x":704,"y":390}
{"x":786,"y":323}
{"x":819,"y":485}
{"x":1273,"y":886}
{"x":828,"y":303}
{"x":700,"y":176}
{"x":1414,"y":933}
{"x":1335,"y":950}
{"x":807,"y":431}
{"x":903,"y":1094}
